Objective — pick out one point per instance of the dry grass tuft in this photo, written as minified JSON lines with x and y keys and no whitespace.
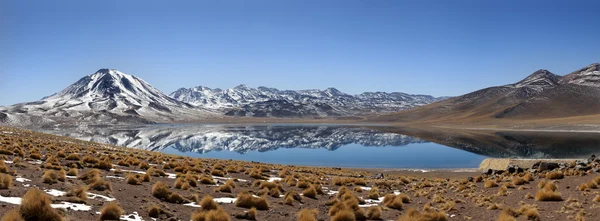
{"x":374,"y":212}
{"x":5,"y":181}
{"x":77,"y":194}
{"x":555,"y":175}
{"x":344,"y":215}
{"x":35,"y":205}
{"x":547,"y":192}
{"x":308,"y":215}
{"x":310,"y":192}
{"x":53,"y":176}
{"x":246,"y":200}
{"x":12,"y":215}
{"x":428,"y":215}
{"x":111,"y":211}
{"x":208,"y":203}
{"x":490,"y":184}
{"x":132,"y":179}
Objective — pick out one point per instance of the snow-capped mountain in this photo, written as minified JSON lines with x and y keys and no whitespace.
{"x":107,"y":96}
{"x":270,"y":102}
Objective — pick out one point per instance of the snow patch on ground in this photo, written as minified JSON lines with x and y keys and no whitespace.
{"x":115,"y":177}
{"x":132,"y":217}
{"x":64,"y":205}
{"x":105,"y":198}
{"x":271,"y":179}
{"x":21,"y":179}
{"x":72,"y":206}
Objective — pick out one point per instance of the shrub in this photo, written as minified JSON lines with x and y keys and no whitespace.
{"x":308,"y":215}
{"x":344,"y":215}
{"x":175,"y":197}
{"x":490,"y":184}
{"x":373,"y":193}
{"x":12,"y":215}
{"x":100,"y":184}
{"x":53,"y":176}
{"x":542,"y":195}
{"x":111,"y":211}
{"x":132,"y":179}
{"x":5,"y":181}
{"x":246,"y":200}
{"x":90,"y":176}
{"x":79,"y":193}
{"x":212,"y":215}
{"x":519,"y":181}
{"x":555,"y":175}
{"x":73,"y":157}
{"x":392,"y":201}
{"x":72,"y":172}
{"x":374,"y":212}
{"x":35,"y":205}
{"x":208,"y":203}
{"x":161,"y":190}
{"x":310,"y":192}
{"x":429,"y":215}
{"x":528,"y":177}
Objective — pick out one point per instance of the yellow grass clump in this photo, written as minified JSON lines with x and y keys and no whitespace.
{"x":308,"y":215}
{"x":111,"y":211}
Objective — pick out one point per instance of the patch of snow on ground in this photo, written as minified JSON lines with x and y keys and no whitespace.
{"x":227,"y":178}
{"x":8,"y":161}
{"x":21,"y":179}
{"x":54,"y":192}
{"x":64,"y":205}
{"x":192,"y":204}
{"x":132,"y":217}
{"x":105,"y":198}
{"x":72,"y":206}
{"x":225,"y":200}
{"x":115,"y":177}
{"x":271,"y":179}
{"x":368,"y":205}
{"x":71,"y":177}
{"x":35,"y":162}
{"x":365,"y":188}
{"x":332,"y":192}
{"x":372,"y":201}
{"x":11,"y":200}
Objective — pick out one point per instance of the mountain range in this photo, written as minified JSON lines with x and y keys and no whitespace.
{"x":111,"y":97}
{"x":540,"y":96}
{"x":271,"y":102}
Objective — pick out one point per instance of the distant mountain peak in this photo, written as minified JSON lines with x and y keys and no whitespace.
{"x":539,"y":78}
{"x":587,"y":76}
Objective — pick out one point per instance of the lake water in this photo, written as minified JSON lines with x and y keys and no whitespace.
{"x":345,"y":145}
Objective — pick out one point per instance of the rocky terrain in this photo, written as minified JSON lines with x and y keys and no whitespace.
{"x":542,"y":95}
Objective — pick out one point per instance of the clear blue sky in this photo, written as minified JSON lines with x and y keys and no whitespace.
{"x":426,"y":47}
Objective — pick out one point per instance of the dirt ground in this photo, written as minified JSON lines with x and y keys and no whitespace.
{"x":456,"y":195}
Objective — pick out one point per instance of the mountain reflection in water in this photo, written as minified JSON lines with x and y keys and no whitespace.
{"x":245,"y":139}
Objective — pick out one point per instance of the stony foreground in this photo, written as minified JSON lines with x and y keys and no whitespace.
{"x":45,"y":177}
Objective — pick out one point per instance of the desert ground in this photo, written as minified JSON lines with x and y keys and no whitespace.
{"x":46,"y":177}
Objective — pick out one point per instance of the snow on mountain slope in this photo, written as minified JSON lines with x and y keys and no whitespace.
{"x":270,"y":102}
{"x":106,"y":97}
{"x":588,"y":76}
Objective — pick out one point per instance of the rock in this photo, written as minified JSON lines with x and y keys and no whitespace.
{"x":470,"y":179}
{"x":582,"y":167}
{"x":378,"y":176}
{"x":514,"y":169}
{"x":546,"y":166}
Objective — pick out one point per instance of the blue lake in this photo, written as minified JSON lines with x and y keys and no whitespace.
{"x":358,"y":146}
